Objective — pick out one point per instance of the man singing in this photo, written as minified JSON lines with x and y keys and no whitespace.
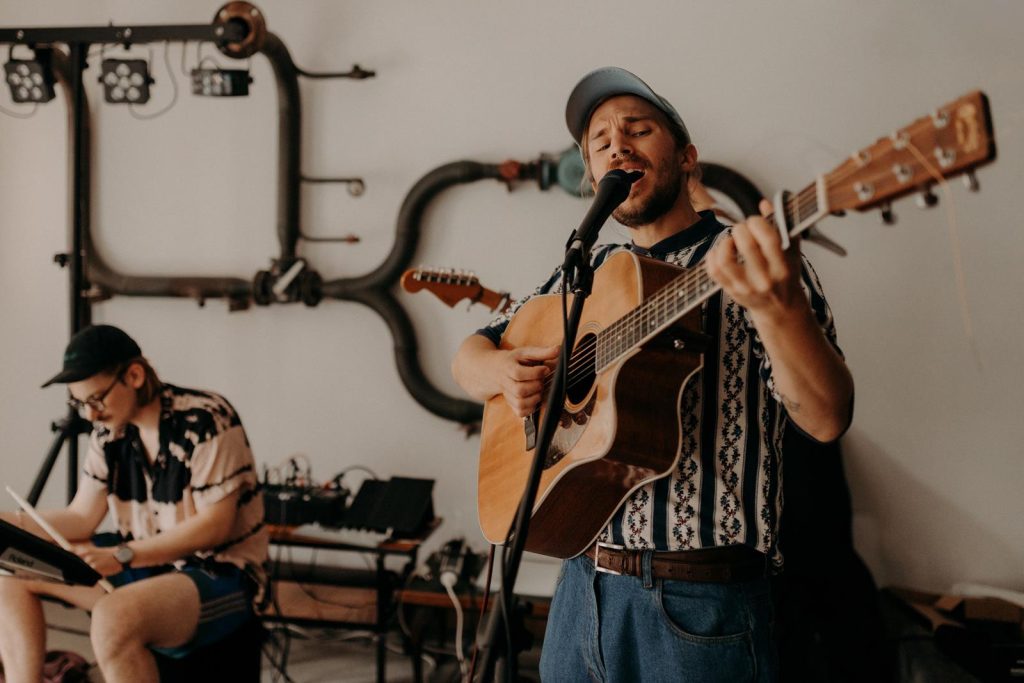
{"x":773,"y":364}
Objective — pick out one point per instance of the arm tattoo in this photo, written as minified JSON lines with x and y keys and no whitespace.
{"x":791,"y":405}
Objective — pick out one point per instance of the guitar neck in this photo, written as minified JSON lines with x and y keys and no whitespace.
{"x":954,"y":139}
{"x":493,"y":300}
{"x":654,"y":315}
{"x":690,"y":289}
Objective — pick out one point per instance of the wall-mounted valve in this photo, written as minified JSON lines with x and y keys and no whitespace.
{"x":287,"y":283}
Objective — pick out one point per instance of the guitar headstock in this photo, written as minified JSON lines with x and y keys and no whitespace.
{"x":448,"y":284}
{"x":956,"y":138}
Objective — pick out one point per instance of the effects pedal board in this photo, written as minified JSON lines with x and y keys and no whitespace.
{"x":289,"y":505}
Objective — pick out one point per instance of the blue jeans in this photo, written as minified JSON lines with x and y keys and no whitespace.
{"x":616,"y":629}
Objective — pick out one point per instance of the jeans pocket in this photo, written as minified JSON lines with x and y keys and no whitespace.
{"x":703,"y":613}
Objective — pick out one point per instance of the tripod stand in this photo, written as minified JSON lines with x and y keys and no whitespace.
{"x":71,"y":80}
{"x":67,"y":429}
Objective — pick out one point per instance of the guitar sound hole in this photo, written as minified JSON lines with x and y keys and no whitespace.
{"x":581,"y":368}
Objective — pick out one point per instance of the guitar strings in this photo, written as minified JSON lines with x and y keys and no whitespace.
{"x":584,"y":355}
{"x":686,"y":281}
{"x":583,"y":359}
{"x":954,"y":243}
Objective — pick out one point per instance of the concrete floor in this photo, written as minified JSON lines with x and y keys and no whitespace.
{"x":315,"y":656}
{"x":348,"y":657}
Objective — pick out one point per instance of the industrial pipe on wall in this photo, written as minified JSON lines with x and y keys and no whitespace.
{"x":373,"y":289}
{"x":104,"y":280}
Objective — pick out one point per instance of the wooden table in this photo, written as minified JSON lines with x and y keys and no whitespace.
{"x":382,"y":585}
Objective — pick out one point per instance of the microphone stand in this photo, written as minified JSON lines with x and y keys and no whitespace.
{"x":579,"y":268}
{"x":495,"y":636}
{"x":576,"y":267}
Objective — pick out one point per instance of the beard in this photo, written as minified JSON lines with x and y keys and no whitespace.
{"x":662,"y":197}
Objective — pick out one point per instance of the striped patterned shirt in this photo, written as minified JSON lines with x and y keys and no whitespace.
{"x":203,"y":457}
{"x":726,"y":488}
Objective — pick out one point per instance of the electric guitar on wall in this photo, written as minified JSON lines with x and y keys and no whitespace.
{"x":452,"y":286}
{"x":639,"y":343}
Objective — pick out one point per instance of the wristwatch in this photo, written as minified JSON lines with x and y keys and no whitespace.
{"x":124,"y":554}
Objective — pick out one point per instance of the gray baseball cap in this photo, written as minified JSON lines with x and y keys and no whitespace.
{"x":610,"y":81}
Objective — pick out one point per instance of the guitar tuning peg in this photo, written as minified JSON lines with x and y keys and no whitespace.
{"x":927,"y":199}
{"x":813,"y":235}
{"x":888,"y":217}
{"x":971,"y":181}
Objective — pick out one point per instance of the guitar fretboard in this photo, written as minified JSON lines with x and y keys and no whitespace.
{"x":685,"y":292}
{"x":666,"y":306}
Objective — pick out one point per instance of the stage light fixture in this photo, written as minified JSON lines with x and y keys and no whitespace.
{"x":125,"y":81}
{"x":29,"y":81}
{"x":210,"y":82}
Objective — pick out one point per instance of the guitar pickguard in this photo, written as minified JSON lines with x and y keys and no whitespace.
{"x":571,"y":426}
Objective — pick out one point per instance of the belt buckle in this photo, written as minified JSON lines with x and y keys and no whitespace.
{"x":597,"y":556}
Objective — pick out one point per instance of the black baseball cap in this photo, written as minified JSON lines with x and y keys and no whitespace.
{"x":94,"y":349}
{"x":610,"y":81}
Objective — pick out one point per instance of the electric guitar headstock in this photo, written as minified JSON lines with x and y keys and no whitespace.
{"x":452,"y":286}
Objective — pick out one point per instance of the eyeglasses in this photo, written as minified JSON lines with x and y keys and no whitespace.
{"x":96,"y":402}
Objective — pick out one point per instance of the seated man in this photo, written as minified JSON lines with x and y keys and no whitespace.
{"x":175,"y":470}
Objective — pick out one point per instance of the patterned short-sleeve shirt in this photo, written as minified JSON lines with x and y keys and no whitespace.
{"x":726,"y":488}
{"x":203,"y":457}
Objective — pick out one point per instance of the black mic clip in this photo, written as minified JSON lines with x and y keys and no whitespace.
{"x":611,"y":191}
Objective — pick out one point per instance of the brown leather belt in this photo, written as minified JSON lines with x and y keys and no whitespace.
{"x":726,"y":564}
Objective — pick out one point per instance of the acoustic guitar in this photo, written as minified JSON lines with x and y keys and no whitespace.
{"x":452,"y":286}
{"x":639,"y":344}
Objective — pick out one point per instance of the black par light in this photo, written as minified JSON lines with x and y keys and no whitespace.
{"x":125,"y":81}
{"x":211,"y":82}
{"x":29,"y":81}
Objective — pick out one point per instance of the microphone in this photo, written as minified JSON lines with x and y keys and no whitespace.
{"x":611,"y":191}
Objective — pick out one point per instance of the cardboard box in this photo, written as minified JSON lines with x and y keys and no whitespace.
{"x":962,"y":608}
{"x":982,"y":609}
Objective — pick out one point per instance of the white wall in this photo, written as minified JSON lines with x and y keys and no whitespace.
{"x":779,"y":91}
